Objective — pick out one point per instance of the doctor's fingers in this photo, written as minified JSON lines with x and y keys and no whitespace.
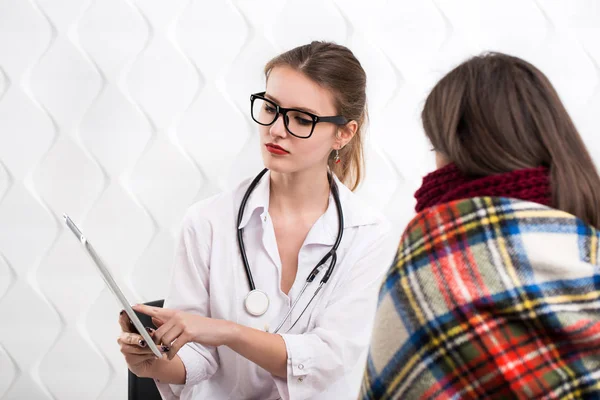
{"x":125,"y":322}
{"x":135,"y":350}
{"x":169,"y":334}
{"x":176,"y":345}
{"x":132,"y":339}
{"x":161,"y":330}
{"x":157,"y":322}
{"x":134,"y":359}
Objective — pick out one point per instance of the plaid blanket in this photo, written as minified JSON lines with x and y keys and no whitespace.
{"x":489,"y":298}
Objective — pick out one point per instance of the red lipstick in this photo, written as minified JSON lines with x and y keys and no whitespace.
{"x":275,"y":149}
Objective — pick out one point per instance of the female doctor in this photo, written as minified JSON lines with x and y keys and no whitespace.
{"x":275,"y":283}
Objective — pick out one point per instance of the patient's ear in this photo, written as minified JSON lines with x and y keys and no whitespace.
{"x":441,"y":160}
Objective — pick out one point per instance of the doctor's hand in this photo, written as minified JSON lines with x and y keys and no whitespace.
{"x":138,"y":356}
{"x":176,"y":328}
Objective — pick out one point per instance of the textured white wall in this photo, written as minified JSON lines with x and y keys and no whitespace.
{"x":124,"y":112}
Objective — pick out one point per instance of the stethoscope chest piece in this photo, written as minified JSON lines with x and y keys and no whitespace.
{"x":256,"y":302}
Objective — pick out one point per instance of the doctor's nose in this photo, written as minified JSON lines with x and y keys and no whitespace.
{"x":278,"y":129}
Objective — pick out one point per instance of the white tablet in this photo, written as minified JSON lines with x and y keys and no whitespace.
{"x":113,"y":286}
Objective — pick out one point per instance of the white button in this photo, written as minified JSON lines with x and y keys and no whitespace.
{"x":300,"y":379}
{"x":265,"y":218}
{"x":300,"y":366}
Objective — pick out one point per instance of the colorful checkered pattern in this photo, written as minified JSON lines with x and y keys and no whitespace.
{"x":489,"y":298}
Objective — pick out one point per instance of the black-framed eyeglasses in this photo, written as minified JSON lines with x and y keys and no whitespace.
{"x":299,"y":123}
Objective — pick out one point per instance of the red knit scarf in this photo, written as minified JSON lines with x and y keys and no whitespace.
{"x":448,"y":184}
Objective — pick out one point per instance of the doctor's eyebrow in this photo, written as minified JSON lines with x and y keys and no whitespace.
{"x":268,"y":96}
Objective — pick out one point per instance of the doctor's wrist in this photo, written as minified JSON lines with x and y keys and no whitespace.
{"x":231,"y":333}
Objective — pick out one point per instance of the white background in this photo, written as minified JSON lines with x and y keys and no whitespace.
{"x":122,"y":113}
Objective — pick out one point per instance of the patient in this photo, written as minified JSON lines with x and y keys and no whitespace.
{"x":495,"y":289}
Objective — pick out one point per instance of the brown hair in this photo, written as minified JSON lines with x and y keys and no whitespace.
{"x":335,"y":68}
{"x":497,"y":113}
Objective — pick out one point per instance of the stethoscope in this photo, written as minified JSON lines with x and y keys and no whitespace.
{"x":257,"y":301}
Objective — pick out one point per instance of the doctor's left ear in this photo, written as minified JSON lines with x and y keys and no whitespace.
{"x":345,"y":133}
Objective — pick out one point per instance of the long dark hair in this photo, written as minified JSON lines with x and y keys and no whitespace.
{"x":497,"y":113}
{"x":335,"y":67}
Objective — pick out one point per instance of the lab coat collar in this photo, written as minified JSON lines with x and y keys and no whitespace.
{"x":324,"y":232}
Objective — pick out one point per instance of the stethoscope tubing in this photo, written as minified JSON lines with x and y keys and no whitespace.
{"x":332,"y":254}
